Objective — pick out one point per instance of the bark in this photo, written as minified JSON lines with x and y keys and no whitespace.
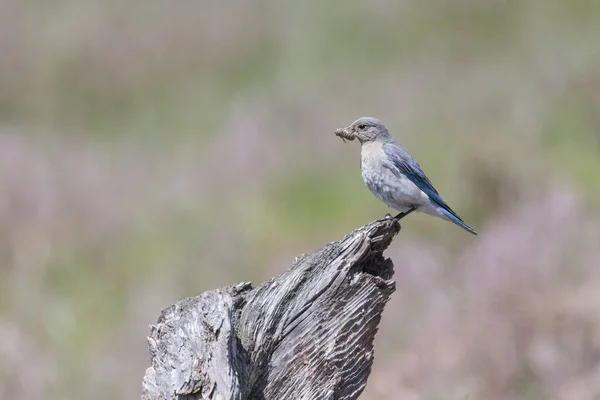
{"x":305,"y":334}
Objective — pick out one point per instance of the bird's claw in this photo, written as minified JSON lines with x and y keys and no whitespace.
{"x":388,"y":217}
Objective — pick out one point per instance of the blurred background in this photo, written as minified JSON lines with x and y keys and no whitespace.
{"x":153,"y":150}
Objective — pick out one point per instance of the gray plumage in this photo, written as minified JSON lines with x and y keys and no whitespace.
{"x":393,"y":175}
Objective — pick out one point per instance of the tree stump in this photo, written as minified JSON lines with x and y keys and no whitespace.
{"x":305,"y":334}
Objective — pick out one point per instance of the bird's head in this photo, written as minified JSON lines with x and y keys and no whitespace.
{"x":365,"y":129}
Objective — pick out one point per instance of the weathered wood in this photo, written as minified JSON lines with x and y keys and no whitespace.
{"x":305,"y":334}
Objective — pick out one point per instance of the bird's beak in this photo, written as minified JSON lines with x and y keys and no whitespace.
{"x":346,"y":133}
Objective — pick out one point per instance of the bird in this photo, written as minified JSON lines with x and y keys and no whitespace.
{"x":393,"y":175}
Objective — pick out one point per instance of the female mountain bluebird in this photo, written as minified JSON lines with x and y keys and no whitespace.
{"x":393,"y":175}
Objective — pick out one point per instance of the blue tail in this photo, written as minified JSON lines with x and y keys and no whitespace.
{"x":455,"y":218}
{"x":407,"y":166}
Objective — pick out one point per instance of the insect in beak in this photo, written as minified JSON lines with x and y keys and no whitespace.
{"x":345,"y":133}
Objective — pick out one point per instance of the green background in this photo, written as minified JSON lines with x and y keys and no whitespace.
{"x":152,"y":150}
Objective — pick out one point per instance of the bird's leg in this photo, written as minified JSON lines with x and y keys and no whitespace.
{"x":404,"y":214}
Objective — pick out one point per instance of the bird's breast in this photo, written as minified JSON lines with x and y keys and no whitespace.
{"x":387,"y":183}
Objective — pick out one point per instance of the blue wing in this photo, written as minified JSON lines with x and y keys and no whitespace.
{"x":407,"y":165}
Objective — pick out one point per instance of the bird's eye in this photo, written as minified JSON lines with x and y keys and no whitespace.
{"x":361,"y":127}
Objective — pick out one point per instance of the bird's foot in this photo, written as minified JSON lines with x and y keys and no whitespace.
{"x":399,"y":216}
{"x":397,"y":227}
{"x":404,"y":214}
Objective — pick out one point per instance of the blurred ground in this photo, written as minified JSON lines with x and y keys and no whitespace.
{"x":153,"y":150}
